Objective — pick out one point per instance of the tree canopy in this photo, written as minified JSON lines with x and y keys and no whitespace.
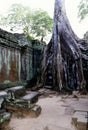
{"x":41,"y":23}
{"x":35,"y":23}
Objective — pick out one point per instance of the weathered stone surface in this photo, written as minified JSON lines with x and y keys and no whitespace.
{"x":32,"y":97}
{"x":20,"y":58}
{"x":22,"y":39}
{"x":35,"y":111}
{"x":17,"y":103}
{"x":16,"y":92}
{"x":8,"y":36}
{"x":15,"y":88}
{"x":3,"y":94}
{"x":4,"y":119}
{"x":69,"y":110}
{"x":22,"y":108}
{"x":79,"y":120}
{"x":9,"y":57}
{"x":1,"y":102}
{"x":82,"y":123}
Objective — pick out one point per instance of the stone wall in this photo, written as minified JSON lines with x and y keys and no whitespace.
{"x":20,"y":58}
{"x":9,"y":63}
{"x":38,"y":48}
{"x":26,"y":63}
{"x":16,"y":57}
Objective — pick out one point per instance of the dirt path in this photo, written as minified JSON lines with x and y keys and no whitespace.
{"x":53,"y":117}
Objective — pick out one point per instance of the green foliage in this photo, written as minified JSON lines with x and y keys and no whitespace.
{"x":41,"y":23}
{"x":18,"y":17}
{"x":35,"y":23}
{"x":26,"y":32}
{"x":83,"y":9}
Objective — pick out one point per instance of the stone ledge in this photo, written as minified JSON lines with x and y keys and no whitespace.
{"x":20,"y":112}
{"x":32,"y":97}
{"x":79,"y":120}
{"x":16,"y":92}
{"x":3,"y":94}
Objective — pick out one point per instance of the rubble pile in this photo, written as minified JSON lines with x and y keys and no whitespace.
{"x":15,"y":102}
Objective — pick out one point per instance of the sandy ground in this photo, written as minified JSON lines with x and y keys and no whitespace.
{"x":55,"y":115}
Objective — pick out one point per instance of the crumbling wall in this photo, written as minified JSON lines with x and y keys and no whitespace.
{"x":9,"y":64}
{"x":17,"y":62}
{"x":38,"y":49}
{"x":15,"y":57}
{"x":26,"y":63}
{"x":9,"y":61}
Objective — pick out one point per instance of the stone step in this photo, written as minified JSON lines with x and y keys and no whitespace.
{"x":82,"y":123}
{"x":79,"y":120}
{"x":77,"y":115}
{"x":35,"y":111}
{"x":3,"y":94}
{"x":31,"y":97}
{"x":16,"y":92}
{"x":21,"y":110}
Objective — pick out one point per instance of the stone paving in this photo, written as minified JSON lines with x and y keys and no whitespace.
{"x":80,"y":114}
{"x":62,"y":111}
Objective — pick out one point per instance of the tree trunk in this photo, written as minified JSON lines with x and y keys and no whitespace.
{"x":62,"y":63}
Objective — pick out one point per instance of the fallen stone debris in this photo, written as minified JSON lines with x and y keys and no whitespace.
{"x":17,"y":91}
{"x":4,"y":119}
{"x":25,"y":106}
{"x":15,"y":102}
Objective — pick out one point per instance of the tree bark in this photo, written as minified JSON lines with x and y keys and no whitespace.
{"x":62,"y":63}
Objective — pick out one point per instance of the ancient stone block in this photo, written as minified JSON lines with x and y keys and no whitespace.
{"x":4,"y":119}
{"x":3,"y":94}
{"x":79,"y":120}
{"x":22,"y":108}
{"x":82,"y":123}
{"x":35,"y":111}
{"x":16,"y":92}
{"x":32,"y":97}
